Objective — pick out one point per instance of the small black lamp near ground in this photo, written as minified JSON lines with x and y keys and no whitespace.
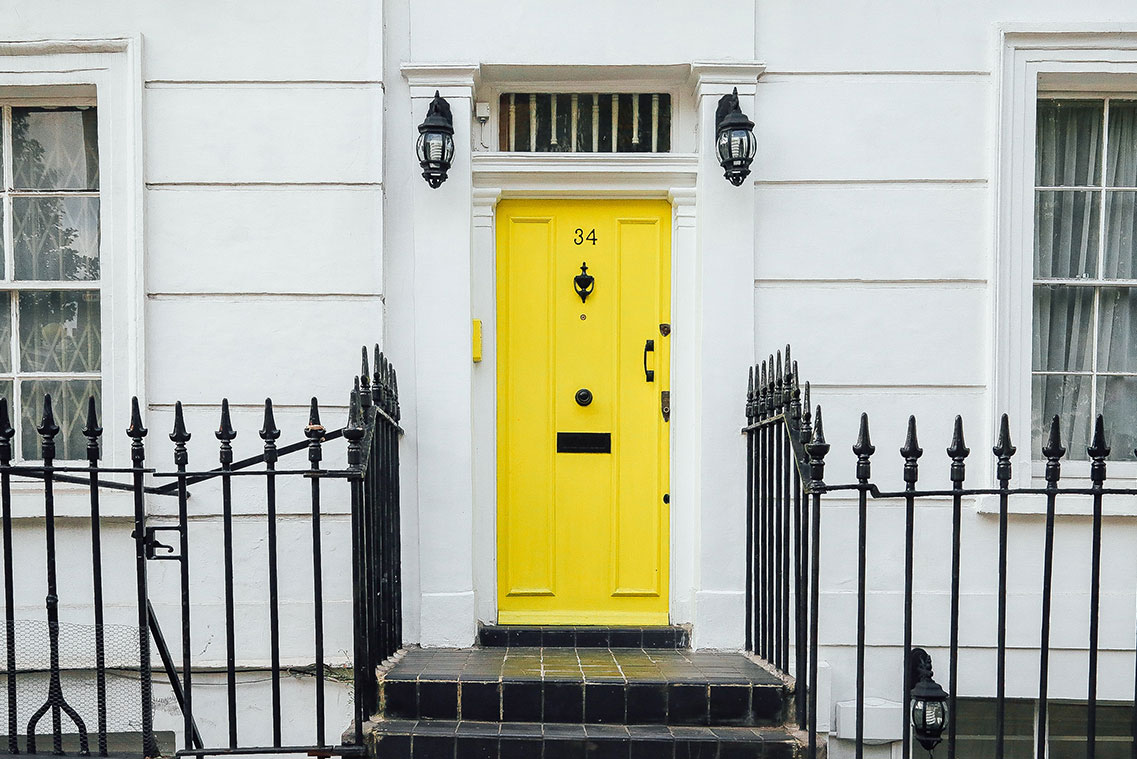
{"x":929,"y":702}
{"x":734,"y":138}
{"x":436,"y":141}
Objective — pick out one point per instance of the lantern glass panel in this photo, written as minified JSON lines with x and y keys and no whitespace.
{"x":435,"y":147}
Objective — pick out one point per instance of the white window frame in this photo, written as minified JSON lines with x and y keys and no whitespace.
{"x":106,"y":73}
{"x":1041,"y":62}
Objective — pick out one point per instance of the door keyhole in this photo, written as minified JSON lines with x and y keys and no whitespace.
{"x":584,"y":396}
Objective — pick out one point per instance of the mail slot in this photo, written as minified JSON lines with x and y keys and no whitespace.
{"x":584,"y":442}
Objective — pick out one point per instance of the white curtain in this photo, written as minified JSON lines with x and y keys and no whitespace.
{"x":1068,"y":245}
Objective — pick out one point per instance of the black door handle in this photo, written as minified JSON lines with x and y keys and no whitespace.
{"x":649,"y":374}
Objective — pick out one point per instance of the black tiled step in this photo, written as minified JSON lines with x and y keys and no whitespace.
{"x":408,"y":739}
{"x":583,"y":686}
{"x":582,"y":636}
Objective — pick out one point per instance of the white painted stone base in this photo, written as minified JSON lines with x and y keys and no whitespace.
{"x":448,"y":620}
{"x":719,"y":618}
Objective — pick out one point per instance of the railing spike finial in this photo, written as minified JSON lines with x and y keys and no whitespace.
{"x":180,"y":436}
{"x":1054,"y":450}
{"x":92,"y":431}
{"x":1003,"y":450}
{"x":269,"y":430}
{"x":314,"y":418}
{"x":395,"y":413}
{"x":225,"y":433}
{"x":864,"y":449}
{"x":750,"y":395}
{"x":1098,"y":450}
{"x":817,"y":448}
{"x":770,"y":387}
{"x":315,"y":434}
{"x":6,"y":432}
{"x":762,"y":392}
{"x":353,"y":431}
{"x":47,"y":426}
{"x":778,"y":383}
{"x":136,"y":432}
{"x":911,"y":448}
{"x":911,"y":451}
{"x":958,"y":451}
{"x":806,"y":416}
{"x":364,"y":381}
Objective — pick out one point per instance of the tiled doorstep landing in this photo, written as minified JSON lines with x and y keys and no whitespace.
{"x":591,"y":686}
{"x":435,"y":739}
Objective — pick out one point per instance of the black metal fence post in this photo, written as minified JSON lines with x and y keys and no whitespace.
{"x":1053,"y":451}
{"x":6,"y":433}
{"x":911,"y":453}
{"x":137,"y":433}
{"x":958,"y":452}
{"x":92,"y":432}
{"x":863,"y":450}
{"x":1003,"y":451}
{"x":817,"y":449}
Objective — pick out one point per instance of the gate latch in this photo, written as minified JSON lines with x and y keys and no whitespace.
{"x":665,"y":405}
{"x":152,"y":544}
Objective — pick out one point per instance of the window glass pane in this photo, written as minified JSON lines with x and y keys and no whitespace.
{"x":1117,"y":403}
{"x":1067,"y":228}
{"x":60,"y":331}
{"x":5,"y":332}
{"x":55,"y":149}
{"x":1063,"y":328}
{"x":1068,"y":731}
{"x":1121,"y":155}
{"x":69,"y":405}
{"x":1068,"y":397}
{"x":56,"y":238}
{"x":1120,"y":235}
{"x":1069,"y":135}
{"x":975,"y":719}
{"x":1117,"y":333}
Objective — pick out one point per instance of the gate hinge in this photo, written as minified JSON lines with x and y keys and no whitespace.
{"x":665,"y":405}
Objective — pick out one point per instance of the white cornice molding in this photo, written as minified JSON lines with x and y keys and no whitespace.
{"x":64,"y":46}
{"x":584,"y":173}
{"x":449,"y":79}
{"x":721,"y":77}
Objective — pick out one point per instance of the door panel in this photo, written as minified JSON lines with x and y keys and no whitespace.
{"x":582,"y":536}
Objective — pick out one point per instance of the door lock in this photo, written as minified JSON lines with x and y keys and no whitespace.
{"x":583,"y":396}
{"x":665,"y":405}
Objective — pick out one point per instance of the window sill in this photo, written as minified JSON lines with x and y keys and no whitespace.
{"x":1065,"y":505}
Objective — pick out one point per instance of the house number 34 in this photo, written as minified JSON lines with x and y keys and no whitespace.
{"x":581,"y":237}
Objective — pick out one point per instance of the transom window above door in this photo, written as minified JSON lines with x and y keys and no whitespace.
{"x":50,"y":289}
{"x":607,"y":122}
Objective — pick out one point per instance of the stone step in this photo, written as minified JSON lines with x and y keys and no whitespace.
{"x":583,"y":686}
{"x":434,"y":739}
{"x":582,"y":636}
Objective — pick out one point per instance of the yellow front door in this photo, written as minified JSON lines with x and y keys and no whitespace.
{"x":583,"y":377}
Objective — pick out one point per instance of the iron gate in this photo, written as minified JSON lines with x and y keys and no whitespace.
{"x":78,"y":666}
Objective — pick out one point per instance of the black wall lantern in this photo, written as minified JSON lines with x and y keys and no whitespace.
{"x":734,"y":139}
{"x":929,"y":702}
{"x":436,"y":141}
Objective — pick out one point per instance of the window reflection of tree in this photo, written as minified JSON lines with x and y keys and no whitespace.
{"x":59,"y":330}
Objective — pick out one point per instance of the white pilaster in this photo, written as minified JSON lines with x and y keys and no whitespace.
{"x":484,"y":281}
{"x":724,"y":285}
{"x":443,"y":403}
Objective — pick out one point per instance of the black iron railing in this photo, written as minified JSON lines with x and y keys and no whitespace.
{"x":786,"y":495}
{"x":371,"y":473}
